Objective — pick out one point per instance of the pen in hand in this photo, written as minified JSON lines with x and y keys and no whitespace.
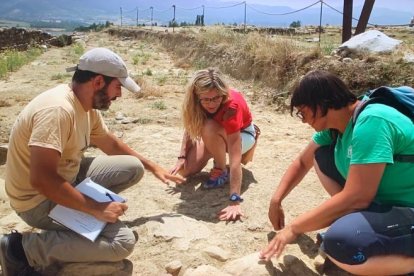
{"x":112,"y":199}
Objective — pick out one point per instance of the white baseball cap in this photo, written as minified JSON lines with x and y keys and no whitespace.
{"x":105,"y":62}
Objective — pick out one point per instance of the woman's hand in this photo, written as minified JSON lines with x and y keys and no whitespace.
{"x":276,"y":215}
{"x":231,"y":212}
{"x":278,"y":243}
{"x":179,"y":165}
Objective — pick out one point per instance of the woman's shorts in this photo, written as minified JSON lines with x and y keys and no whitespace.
{"x":248,"y":135}
{"x":378,"y":230}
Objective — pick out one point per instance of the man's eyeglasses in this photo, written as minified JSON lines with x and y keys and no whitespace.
{"x":215,"y":99}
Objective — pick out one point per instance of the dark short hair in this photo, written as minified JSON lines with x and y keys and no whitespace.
{"x":83,"y":76}
{"x":321,"y":89}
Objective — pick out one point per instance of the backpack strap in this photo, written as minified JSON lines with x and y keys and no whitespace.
{"x":407,"y":158}
{"x":400,"y":98}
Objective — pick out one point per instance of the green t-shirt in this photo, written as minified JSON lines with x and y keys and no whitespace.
{"x":379,"y":132}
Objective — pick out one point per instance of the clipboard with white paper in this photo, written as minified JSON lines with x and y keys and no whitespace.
{"x":80,"y":222}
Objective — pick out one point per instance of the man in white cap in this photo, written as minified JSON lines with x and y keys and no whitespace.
{"x":45,"y":161}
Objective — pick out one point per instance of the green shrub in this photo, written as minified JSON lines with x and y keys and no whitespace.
{"x":147,"y":72}
{"x":161,"y":80}
{"x":12,"y":60}
{"x":59,"y":76}
{"x":159,"y":105}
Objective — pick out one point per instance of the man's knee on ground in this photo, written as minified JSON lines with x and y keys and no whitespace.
{"x":124,"y":245}
{"x":139,"y":172}
{"x":135,"y":169}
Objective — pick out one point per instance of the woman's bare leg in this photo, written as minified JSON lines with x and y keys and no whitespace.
{"x":214,"y":137}
{"x":197,"y":158}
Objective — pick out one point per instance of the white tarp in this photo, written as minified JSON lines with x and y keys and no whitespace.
{"x":372,"y":41}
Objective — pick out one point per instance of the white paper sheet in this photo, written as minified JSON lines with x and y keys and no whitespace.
{"x":82,"y":223}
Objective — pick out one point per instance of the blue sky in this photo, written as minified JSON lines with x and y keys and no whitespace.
{"x":403,"y":5}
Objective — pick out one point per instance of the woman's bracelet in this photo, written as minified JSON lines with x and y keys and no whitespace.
{"x":182,"y":157}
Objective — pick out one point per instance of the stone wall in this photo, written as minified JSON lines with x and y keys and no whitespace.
{"x":20,"y":39}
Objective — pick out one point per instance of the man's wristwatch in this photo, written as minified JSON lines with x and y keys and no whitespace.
{"x":235,"y":198}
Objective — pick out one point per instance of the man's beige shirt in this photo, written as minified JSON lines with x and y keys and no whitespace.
{"x":56,"y":120}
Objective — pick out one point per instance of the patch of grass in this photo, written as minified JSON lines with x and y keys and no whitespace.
{"x":160,"y":105}
{"x":12,"y":60}
{"x":161,"y":79}
{"x":75,"y":51}
{"x":328,"y":45}
{"x":200,"y":64}
{"x":143,"y":121}
{"x":147,"y":72}
{"x":140,"y":58}
{"x":60,"y":76}
{"x":278,"y":61}
{"x":3,"y":69}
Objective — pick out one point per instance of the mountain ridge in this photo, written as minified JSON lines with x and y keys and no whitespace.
{"x":215,"y":12}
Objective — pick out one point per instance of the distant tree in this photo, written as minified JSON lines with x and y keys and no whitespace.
{"x":172,"y":23}
{"x":94,"y":27}
{"x":295,"y":24}
{"x":184,"y":24}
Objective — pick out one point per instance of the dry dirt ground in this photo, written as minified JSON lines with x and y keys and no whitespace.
{"x":155,"y":131}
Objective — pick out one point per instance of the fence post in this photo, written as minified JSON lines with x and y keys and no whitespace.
{"x":152,"y":12}
{"x":120,"y":8}
{"x":244,"y":16}
{"x":173,"y":21}
{"x":347,"y":20}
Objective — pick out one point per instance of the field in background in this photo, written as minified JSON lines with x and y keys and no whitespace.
{"x":273,"y":62}
{"x":9,"y":23}
{"x":277,"y":61}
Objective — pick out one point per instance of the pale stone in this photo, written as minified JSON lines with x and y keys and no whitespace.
{"x":179,"y":228}
{"x":204,"y":270}
{"x":250,"y":265}
{"x":173,"y":267}
{"x":217,"y":253}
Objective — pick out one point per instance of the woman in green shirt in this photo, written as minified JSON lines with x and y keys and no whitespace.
{"x":370,"y":213}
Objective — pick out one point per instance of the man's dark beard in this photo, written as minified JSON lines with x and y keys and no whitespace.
{"x":101,"y":100}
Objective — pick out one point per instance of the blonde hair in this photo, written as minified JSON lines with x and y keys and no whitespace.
{"x":192,"y":112}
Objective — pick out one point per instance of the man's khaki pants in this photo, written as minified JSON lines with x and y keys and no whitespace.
{"x":55,"y":243}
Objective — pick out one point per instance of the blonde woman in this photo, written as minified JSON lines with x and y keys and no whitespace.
{"x":217,"y":121}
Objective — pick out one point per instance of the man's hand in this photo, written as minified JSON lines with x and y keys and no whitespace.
{"x":178,"y":166}
{"x":110,"y":211}
{"x":231,"y":212}
{"x":278,"y":243}
{"x":276,"y":215}
{"x":166,"y":177}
